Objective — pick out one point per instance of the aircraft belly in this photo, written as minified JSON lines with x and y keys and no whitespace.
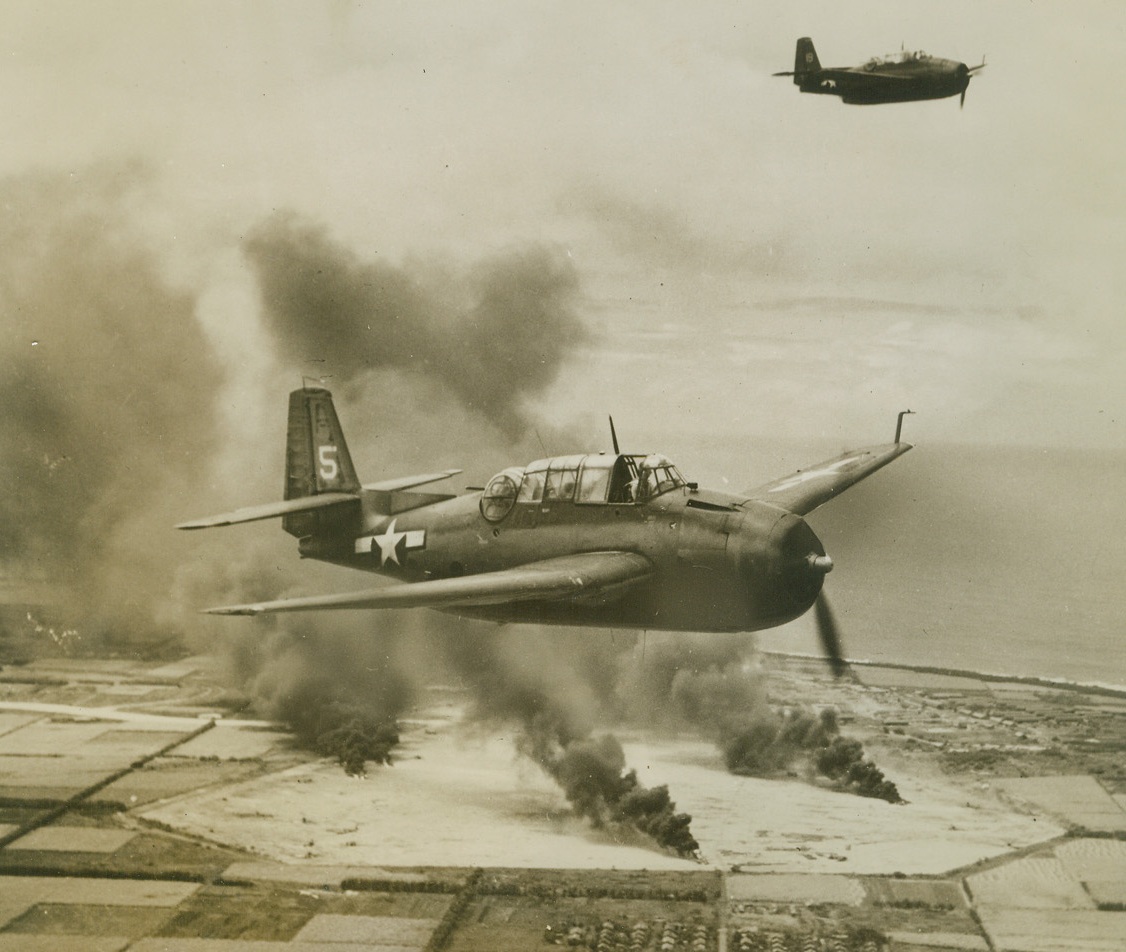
{"x":863,"y":92}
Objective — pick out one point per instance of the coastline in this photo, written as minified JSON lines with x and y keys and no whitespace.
{"x":1081,"y":687}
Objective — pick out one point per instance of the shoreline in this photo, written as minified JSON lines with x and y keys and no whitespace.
{"x":1061,"y":684}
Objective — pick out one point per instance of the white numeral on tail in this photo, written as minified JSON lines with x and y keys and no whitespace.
{"x":329,"y":469}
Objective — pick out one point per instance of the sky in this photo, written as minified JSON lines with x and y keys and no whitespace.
{"x":752,"y":260}
{"x":747,"y":278}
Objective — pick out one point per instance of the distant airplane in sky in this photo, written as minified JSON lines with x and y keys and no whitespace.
{"x":906,"y":77}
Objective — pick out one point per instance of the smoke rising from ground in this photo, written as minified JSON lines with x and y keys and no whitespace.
{"x":340,"y":685}
{"x":108,"y":387}
{"x":714,"y":684}
{"x":557,"y":686}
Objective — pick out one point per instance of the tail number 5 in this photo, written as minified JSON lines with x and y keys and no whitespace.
{"x":328,"y":469}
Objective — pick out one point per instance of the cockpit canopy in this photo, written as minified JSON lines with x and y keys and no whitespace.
{"x":904,"y":56}
{"x":586,"y":480}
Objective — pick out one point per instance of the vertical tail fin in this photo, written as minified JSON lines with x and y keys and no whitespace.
{"x":316,"y":457}
{"x":805,"y":59}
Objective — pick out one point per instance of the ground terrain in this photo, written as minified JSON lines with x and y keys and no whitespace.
{"x":135,"y":815}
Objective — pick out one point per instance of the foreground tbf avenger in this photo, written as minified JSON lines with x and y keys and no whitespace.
{"x":907,"y":77}
{"x":617,"y":540}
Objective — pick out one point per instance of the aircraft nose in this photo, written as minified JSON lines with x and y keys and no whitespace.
{"x":801,"y":560}
{"x":784,"y":576}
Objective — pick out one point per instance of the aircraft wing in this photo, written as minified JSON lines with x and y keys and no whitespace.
{"x":583,"y":576}
{"x":807,"y":489}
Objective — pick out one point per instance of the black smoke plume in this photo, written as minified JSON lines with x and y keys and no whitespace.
{"x":713,"y":684}
{"x":790,"y":737}
{"x":592,"y":773}
{"x":492,"y":335}
{"x":108,"y":387}
{"x":556,"y":687}
{"x":842,"y":760}
{"x":339,"y":685}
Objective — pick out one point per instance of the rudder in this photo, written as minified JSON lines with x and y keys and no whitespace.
{"x":316,"y":456}
{"x":805,"y":59}
{"x":316,"y":460}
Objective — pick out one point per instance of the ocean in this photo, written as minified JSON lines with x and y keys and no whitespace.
{"x":1000,"y":560}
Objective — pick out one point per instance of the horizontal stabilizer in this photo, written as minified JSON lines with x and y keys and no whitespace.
{"x":567,"y":577}
{"x":409,"y":482}
{"x":807,"y":489}
{"x":271,"y":510}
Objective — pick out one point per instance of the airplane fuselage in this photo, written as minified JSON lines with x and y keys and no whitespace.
{"x":720,"y":562}
{"x":907,"y":77}
{"x":889,"y":82}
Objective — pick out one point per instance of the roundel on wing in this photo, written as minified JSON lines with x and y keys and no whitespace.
{"x":499,"y":497}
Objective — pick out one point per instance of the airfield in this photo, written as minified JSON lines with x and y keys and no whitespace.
{"x":136,"y":815}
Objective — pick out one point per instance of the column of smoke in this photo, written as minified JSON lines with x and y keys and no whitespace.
{"x":338,"y":686}
{"x":711,"y":683}
{"x":398,"y":338}
{"x":557,"y":686}
{"x":108,"y":387}
{"x":486,"y":339}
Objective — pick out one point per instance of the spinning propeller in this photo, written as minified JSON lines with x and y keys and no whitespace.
{"x":829,"y":636}
{"x":827,"y":632}
{"x":967,"y":73}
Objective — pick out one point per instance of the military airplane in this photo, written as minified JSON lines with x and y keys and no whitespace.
{"x":607,"y":540}
{"x":906,"y":77}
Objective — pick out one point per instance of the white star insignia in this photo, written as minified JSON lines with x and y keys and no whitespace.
{"x":389,"y":544}
{"x":833,"y":469}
